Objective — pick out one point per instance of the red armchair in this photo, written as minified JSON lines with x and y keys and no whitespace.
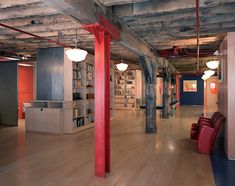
{"x":207,"y":136}
{"x":202,"y":121}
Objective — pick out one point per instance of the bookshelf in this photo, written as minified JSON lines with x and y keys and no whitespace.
{"x":112,"y":105}
{"x":125,"y":90}
{"x":66,"y":103}
{"x":79,"y":111}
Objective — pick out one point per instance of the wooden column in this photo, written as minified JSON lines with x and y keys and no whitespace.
{"x":166,"y":77}
{"x":178,"y":89}
{"x":149,"y":68}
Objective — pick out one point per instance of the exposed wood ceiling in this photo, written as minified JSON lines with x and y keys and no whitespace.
{"x":163,"y":24}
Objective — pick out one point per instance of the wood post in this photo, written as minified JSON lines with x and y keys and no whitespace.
{"x":166,"y":77}
{"x":149,"y":68}
{"x":178,"y":90}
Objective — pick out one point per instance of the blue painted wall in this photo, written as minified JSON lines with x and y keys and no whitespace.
{"x":8,"y":93}
{"x":50,"y":74}
{"x":192,"y":98}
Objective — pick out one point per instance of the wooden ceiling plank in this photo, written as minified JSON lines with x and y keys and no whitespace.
{"x":165,"y":6}
{"x":46,"y":28}
{"x":82,"y":11}
{"x":26,"y":11}
{"x":119,"y":2}
{"x":12,"y":3}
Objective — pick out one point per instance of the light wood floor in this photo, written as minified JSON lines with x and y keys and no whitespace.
{"x":168,"y":158}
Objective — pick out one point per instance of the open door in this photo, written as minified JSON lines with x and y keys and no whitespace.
{"x":25,"y":87}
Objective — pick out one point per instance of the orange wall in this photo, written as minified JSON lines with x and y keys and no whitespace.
{"x":211,"y":97}
{"x":25,"y":87}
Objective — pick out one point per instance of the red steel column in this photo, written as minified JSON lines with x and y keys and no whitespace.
{"x":107,"y":103}
{"x":102,"y":103}
{"x":103,"y":30}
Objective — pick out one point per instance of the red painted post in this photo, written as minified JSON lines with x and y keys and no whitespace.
{"x":100,"y":103}
{"x":107,"y":103}
{"x":103,"y":31}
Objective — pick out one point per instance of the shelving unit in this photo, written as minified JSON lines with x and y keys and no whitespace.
{"x":69,"y":100}
{"x":125,"y":89}
{"x":112,"y":105}
{"x":79,"y":112}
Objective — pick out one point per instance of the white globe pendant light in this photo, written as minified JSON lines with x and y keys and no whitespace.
{"x":209,"y":72}
{"x":122,"y":66}
{"x":76,"y":54}
{"x":212,"y":64}
{"x":205,"y":77}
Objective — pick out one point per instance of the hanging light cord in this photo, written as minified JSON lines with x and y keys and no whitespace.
{"x":198,"y":33}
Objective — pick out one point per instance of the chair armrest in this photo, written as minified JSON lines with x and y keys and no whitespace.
{"x":205,"y":139}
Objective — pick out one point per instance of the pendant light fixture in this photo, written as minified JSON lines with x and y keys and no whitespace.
{"x":205,"y":77}
{"x":122,"y":66}
{"x":212,"y":64}
{"x":76,"y":54}
{"x":209,"y":72}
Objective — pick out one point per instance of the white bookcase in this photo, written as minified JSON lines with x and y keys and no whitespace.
{"x":79,"y":105}
{"x":73,"y":83}
{"x":126,"y":89}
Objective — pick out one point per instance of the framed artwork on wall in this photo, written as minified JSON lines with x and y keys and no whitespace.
{"x":190,"y":85}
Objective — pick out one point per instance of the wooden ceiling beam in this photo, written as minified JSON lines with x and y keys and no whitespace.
{"x":46,"y":28}
{"x":36,"y":20}
{"x":185,"y":23}
{"x":128,"y":38}
{"x":166,"y":6}
{"x":12,"y":3}
{"x":119,"y":2}
{"x":26,"y":11}
{"x":206,"y":12}
{"x":80,"y":10}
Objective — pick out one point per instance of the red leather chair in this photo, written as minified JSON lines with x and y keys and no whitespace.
{"x":207,"y":136}
{"x":195,"y":128}
{"x":204,"y":120}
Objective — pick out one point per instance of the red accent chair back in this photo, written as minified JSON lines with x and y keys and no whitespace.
{"x":195,"y":128}
{"x":215,"y":116}
{"x":207,"y":136}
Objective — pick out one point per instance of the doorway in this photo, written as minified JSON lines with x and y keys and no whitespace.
{"x":25,"y":87}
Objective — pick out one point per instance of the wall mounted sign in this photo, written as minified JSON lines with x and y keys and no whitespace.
{"x":213,"y":87}
{"x":190,"y":85}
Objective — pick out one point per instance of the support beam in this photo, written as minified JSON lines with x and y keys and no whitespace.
{"x":161,"y":7}
{"x":150,"y":68}
{"x":102,"y":103}
{"x":85,"y":13}
{"x":82,"y":11}
{"x":178,"y":77}
{"x":166,"y":104}
{"x":103,"y":30}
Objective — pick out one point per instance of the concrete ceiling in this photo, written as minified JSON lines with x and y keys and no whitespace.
{"x":163,"y":24}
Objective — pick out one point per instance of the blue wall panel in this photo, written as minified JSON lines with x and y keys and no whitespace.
{"x":50,"y":74}
{"x":8,"y":93}
{"x":192,"y":98}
